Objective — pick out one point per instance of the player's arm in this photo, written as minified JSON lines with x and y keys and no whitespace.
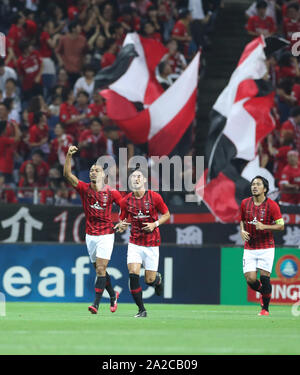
{"x":277,"y":217}
{"x":278,"y":226}
{"x":72,"y":179}
{"x":244,"y":234}
{"x":163,"y":209}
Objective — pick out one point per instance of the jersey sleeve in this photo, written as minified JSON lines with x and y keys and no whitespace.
{"x":275,"y":211}
{"x":81,"y":187}
{"x":160,"y":204}
{"x":123,"y":209}
{"x":242,"y":216}
{"x":117,"y":197}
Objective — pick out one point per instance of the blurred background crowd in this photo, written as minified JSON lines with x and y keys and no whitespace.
{"x":48,"y":98}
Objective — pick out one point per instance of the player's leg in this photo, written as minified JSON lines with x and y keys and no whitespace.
{"x":265,"y":265}
{"x":152,"y":277}
{"x":135,"y":288}
{"x":249,"y":269}
{"x":112,"y":293}
{"x":101,"y":265}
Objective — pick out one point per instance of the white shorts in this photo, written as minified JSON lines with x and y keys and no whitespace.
{"x":258,"y":259}
{"x":100,"y":246}
{"x":148,"y":256}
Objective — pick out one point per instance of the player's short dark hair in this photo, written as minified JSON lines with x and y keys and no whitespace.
{"x":264,"y":181}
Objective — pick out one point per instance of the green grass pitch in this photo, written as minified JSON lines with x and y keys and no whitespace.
{"x":69,"y":329}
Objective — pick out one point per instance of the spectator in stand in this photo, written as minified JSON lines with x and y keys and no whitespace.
{"x":118,"y":33}
{"x":116,"y":139}
{"x":291,"y":22}
{"x":290,"y":180}
{"x":41,"y":166}
{"x":7,"y":150}
{"x":110,"y":51}
{"x":36,"y":104}
{"x":15,"y":34}
{"x":181,"y":31}
{"x":62,"y":78}
{"x":270,"y":10}
{"x":86,"y":82}
{"x":261,"y":24}
{"x":13,"y":114}
{"x":148,"y":31}
{"x":48,"y":43}
{"x":285,"y":98}
{"x":296,"y":92}
{"x":71,"y":51}
{"x":10,"y":130}
{"x":82,"y":105}
{"x":69,"y":115}
{"x":290,"y":129}
{"x":11,"y":92}
{"x":28,"y":182}
{"x":54,"y":106}
{"x":5,"y":74}
{"x":164,"y":75}
{"x":98,"y":109}
{"x":30,"y":69}
{"x":96,"y":45}
{"x":7,"y":195}
{"x":200,"y":24}
{"x":152,"y":15}
{"x":92,"y":144}
{"x":287,"y":67}
{"x":39,"y":133}
{"x":129,"y":20}
{"x":59,"y":146}
{"x":176,"y":59}
{"x":280,"y":160}
{"x":58,"y":193}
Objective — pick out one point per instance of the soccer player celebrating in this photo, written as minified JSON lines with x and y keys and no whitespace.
{"x":141,"y":208}
{"x":97,"y":200}
{"x":260,"y":216}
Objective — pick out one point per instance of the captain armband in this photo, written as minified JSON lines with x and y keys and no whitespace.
{"x":280,"y":221}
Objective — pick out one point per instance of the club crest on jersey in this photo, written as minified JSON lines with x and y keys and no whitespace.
{"x":96,"y":206}
{"x":140,"y":215}
{"x":254,"y":221}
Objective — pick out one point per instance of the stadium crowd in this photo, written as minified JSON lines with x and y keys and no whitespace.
{"x":48,"y":98}
{"x":279,"y":153}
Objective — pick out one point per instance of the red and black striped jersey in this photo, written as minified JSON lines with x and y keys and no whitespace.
{"x":97,"y":207}
{"x":267,"y":213}
{"x":143,"y":210}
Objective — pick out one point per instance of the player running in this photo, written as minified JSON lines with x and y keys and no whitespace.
{"x":97,"y":200}
{"x":260,"y":216}
{"x":141,"y":208}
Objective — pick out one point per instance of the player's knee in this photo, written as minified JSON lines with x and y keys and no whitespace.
{"x":250,"y":279}
{"x":100,"y":269}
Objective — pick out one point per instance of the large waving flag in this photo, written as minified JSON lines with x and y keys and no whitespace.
{"x":239,"y":120}
{"x":166,"y":115}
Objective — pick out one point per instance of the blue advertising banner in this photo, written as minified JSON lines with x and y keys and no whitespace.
{"x":63,"y":273}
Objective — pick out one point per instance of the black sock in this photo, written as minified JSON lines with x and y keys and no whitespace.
{"x":136,"y":290}
{"x":266,"y":290}
{"x":155,"y":282}
{"x":109,"y":287}
{"x":99,"y":289}
{"x":255,"y":285}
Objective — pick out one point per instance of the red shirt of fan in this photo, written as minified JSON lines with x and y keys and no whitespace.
{"x":96,"y":110}
{"x":97,"y":145}
{"x":66,"y":112}
{"x":45,"y":50}
{"x":180,"y":29}
{"x":260,"y":25}
{"x":28,"y":68}
{"x":42,"y":171}
{"x":15,"y":35}
{"x":290,"y":175}
{"x":267,"y":213}
{"x":7,"y":151}
{"x":143,"y":210}
{"x":97,"y":208}
{"x":290,"y":27}
{"x":36,"y":134}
